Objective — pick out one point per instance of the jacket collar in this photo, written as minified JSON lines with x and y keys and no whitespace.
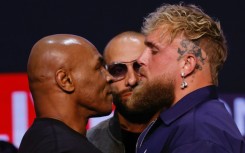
{"x":187,"y":103}
{"x":114,"y":126}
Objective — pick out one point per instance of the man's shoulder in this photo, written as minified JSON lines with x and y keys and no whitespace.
{"x":209,"y":121}
{"x":50,"y":130}
{"x":99,"y":128}
{"x":213,"y":112}
{"x":208,"y":114}
{"x":53,"y":137}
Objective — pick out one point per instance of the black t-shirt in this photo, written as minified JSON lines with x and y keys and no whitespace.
{"x":129,"y":140}
{"x":52,"y":136}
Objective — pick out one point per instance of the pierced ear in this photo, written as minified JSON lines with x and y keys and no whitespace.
{"x":189,"y":64}
{"x":64,"y":80}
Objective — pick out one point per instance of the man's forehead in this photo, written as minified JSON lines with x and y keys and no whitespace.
{"x":123,"y":55}
{"x":164,"y":39}
{"x":155,"y":36}
{"x":161,"y":32}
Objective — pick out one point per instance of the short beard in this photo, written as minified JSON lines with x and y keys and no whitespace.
{"x":152,"y":96}
{"x":137,"y":117}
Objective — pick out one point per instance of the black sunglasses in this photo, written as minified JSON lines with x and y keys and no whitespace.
{"x":119,"y":69}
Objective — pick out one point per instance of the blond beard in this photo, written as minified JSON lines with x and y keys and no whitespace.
{"x":152,"y":96}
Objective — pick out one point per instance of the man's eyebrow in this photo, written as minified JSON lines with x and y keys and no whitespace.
{"x":151,"y":44}
{"x":147,"y":43}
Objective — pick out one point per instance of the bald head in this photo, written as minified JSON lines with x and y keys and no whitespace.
{"x":54,"y":52}
{"x":59,"y":72}
{"x":54,"y":55}
{"x":126,"y":46}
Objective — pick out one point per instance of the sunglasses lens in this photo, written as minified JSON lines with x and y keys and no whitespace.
{"x":117,"y":70}
{"x":136,"y":67}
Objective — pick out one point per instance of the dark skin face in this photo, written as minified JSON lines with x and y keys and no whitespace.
{"x":59,"y":71}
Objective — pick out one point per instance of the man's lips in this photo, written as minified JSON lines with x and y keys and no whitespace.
{"x":127,"y":94}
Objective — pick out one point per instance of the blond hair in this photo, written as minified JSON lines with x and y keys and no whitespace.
{"x":196,"y":26}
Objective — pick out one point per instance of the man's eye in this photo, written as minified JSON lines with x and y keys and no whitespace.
{"x":154,"y":51}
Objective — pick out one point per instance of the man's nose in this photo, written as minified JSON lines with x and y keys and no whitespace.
{"x":131,"y":78}
{"x":143,"y":58}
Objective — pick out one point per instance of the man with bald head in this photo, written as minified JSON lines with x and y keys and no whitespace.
{"x":119,"y":133}
{"x":65,"y":95}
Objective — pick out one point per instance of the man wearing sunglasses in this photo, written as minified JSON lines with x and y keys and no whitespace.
{"x":119,"y":133}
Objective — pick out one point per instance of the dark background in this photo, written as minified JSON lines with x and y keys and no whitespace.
{"x":23,"y":22}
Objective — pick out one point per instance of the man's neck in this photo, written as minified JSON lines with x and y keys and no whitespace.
{"x":134,"y":127}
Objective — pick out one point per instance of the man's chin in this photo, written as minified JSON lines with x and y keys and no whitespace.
{"x":124,"y":99}
{"x":152,"y":96}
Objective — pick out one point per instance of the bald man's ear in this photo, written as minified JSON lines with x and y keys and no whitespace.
{"x":64,"y":80}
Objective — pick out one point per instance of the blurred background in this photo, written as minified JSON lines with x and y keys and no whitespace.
{"x":23,"y":22}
